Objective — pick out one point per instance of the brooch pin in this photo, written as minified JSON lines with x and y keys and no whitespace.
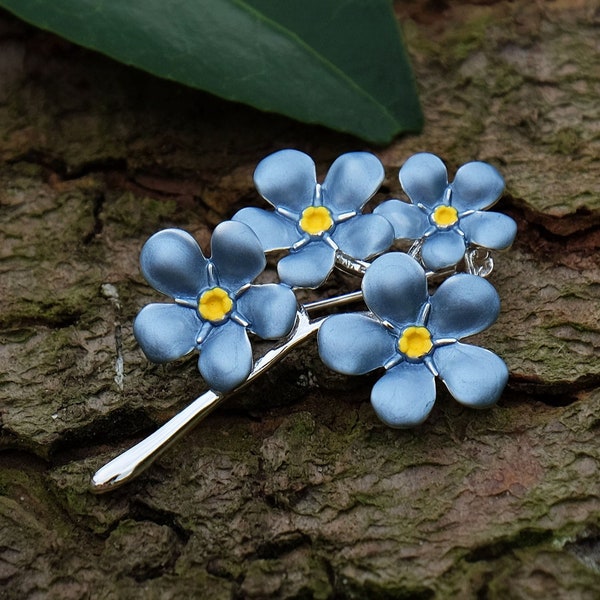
{"x":414,"y":335}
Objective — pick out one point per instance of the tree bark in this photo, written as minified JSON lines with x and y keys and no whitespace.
{"x":294,"y":489}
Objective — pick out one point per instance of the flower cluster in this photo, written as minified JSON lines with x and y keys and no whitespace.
{"x":413,"y":335}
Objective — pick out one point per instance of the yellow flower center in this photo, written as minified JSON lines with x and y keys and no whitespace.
{"x":215,"y":304}
{"x":415,"y":342}
{"x":444,"y":215}
{"x":316,"y":220}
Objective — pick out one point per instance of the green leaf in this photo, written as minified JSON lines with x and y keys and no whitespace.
{"x":339,"y":63}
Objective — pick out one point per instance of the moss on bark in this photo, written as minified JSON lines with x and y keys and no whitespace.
{"x":294,"y":489}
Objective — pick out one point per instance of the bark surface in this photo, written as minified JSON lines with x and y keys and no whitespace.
{"x":294,"y":489}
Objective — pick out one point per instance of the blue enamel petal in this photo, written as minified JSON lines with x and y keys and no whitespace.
{"x":405,"y":395}
{"x":424,"y":179}
{"x":364,"y":236}
{"x":477,"y":185}
{"x":287,"y":179}
{"x":354,"y":343}
{"x":409,"y":221}
{"x":442,"y":249}
{"x":489,"y":229}
{"x":308,"y":267}
{"x":274,"y":231}
{"x":463,"y":305}
{"x":226,"y":357}
{"x":270,"y":309}
{"x":237,"y":254}
{"x":166,"y":331}
{"x":395,"y":288}
{"x":474,"y":376}
{"x":352,"y":179}
{"x":172,"y":263}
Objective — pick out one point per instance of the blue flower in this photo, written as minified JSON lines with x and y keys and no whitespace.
{"x":215,"y":304}
{"x":314,"y":221}
{"x":448,"y":217}
{"x":415,"y":337}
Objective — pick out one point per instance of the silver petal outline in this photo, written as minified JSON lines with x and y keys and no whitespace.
{"x":395,"y":288}
{"x":351,"y":181}
{"x":309,"y":266}
{"x":474,"y":376}
{"x":354,"y":343}
{"x":364,"y":236}
{"x":166,"y":332}
{"x":492,"y":230}
{"x":409,"y":221}
{"x":463,"y":305}
{"x":226,"y":357}
{"x":274,"y":231}
{"x":443,"y":249}
{"x":424,"y":178}
{"x":405,"y":395}
{"x":287,"y":179}
{"x":477,"y":185}
{"x":270,"y":309}
{"x":237,"y":255}
{"x":172,"y":263}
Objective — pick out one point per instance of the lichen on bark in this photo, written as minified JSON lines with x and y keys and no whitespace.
{"x":293,"y":489}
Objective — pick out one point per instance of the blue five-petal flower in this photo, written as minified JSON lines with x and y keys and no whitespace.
{"x":315,"y":221}
{"x":448,"y":217}
{"x":215,"y":303}
{"x":415,"y":337}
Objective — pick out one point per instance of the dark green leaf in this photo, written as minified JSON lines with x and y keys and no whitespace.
{"x":339,"y":63}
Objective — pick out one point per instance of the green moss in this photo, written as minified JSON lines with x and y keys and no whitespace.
{"x":506,"y":79}
{"x":128,"y":215}
{"x":22,"y":175}
{"x":517,"y":575}
{"x":65,"y":308}
{"x":565,"y":141}
{"x":70,"y":485}
{"x":467,"y":34}
{"x":17,"y":336}
{"x":380,"y":590}
{"x":470,"y":35}
{"x":27,"y":485}
{"x":52,"y":311}
{"x":301,"y":427}
{"x":299,"y":575}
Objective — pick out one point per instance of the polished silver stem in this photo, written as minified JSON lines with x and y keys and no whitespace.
{"x":134,"y":461}
{"x":479,"y":262}
{"x":349,"y":264}
{"x":333,"y":302}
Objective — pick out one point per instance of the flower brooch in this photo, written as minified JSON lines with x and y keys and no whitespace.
{"x":412,"y":335}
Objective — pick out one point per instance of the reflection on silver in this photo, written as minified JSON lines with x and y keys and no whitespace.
{"x":137,"y":459}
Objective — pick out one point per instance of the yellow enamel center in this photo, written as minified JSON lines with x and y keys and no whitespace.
{"x":214,"y":304}
{"x":444,"y":215}
{"x":415,"y":342}
{"x":316,"y":220}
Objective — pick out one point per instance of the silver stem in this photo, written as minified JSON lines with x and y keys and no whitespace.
{"x":479,"y":261}
{"x":349,"y":264}
{"x":134,"y":461}
{"x":335,"y":301}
